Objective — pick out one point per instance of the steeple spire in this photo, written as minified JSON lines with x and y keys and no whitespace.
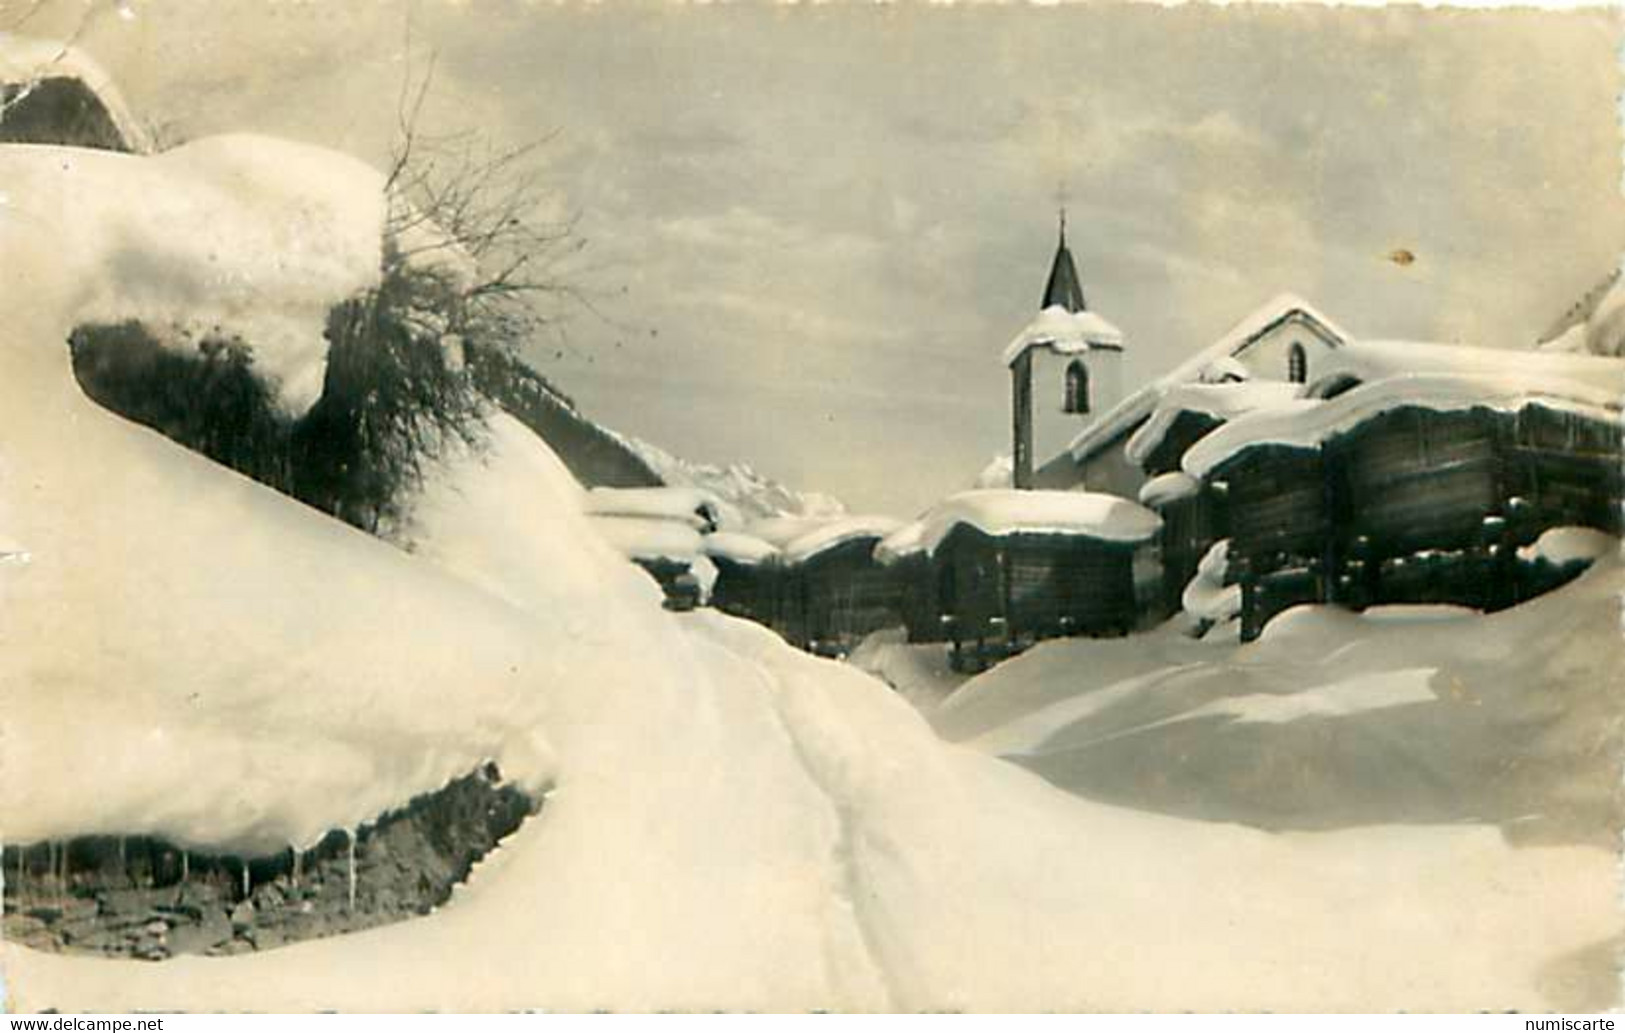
{"x":1064,"y":288}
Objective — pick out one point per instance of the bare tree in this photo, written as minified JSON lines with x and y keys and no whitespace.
{"x":478,"y":216}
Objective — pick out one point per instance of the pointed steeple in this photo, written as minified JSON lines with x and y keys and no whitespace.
{"x":1064,"y":288}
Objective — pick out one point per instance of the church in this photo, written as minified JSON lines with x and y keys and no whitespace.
{"x":1071,"y":418}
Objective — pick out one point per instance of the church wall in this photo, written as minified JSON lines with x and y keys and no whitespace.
{"x":1053,"y":427}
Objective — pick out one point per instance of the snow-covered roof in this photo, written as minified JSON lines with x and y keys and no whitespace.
{"x":25,"y":60}
{"x":692,"y":506}
{"x":644,"y":538}
{"x":838,"y":532}
{"x":1222,"y":401}
{"x":1306,"y":423}
{"x":1003,"y":512}
{"x":1068,"y":333}
{"x":780,"y":531}
{"x":1168,"y":487}
{"x":738,"y":547}
{"x":1368,"y":361}
{"x":1561,"y":546}
{"x":1122,"y":417}
{"x":905,"y":541}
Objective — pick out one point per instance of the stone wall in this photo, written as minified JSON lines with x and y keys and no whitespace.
{"x":142,"y":897}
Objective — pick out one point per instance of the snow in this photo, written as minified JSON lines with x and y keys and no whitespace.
{"x":691,"y":506}
{"x":1559,"y":372}
{"x":1221,"y":401}
{"x":738,"y":547}
{"x":780,"y":531}
{"x":993,"y":512}
{"x":732,"y":824}
{"x":832,"y":533}
{"x":1066,"y":333}
{"x":1207,"y":597}
{"x":1561,"y":546}
{"x":1307,"y":423}
{"x":1571,"y":340}
{"x":905,"y":541}
{"x":1605,"y":328}
{"x":189,"y":654}
{"x":25,"y":60}
{"x":919,"y":673}
{"x":998,"y":473}
{"x":1121,"y":417}
{"x":744,"y":494}
{"x":1168,"y":487}
{"x":1338,"y":699}
{"x":641,"y":538}
{"x":259,"y":238}
{"x":1410,"y":715}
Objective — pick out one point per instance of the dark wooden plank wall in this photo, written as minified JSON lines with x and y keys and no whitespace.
{"x":1281,"y":514}
{"x":1417,"y":506}
{"x":914,"y":578}
{"x":1190,"y":526}
{"x":1015,"y":589}
{"x":1188,"y":428}
{"x":832,"y":600}
{"x":746,"y":590}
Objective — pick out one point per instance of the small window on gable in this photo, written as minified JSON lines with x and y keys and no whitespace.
{"x":1297,"y":364}
{"x":1077,"y":388}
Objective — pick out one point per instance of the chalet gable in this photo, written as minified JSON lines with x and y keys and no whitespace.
{"x":1262,"y":342}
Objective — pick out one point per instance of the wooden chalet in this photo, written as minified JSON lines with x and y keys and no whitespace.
{"x":660,"y":530}
{"x":831,"y":591}
{"x":1194,"y":517}
{"x":747,"y":582}
{"x":1194,"y":514}
{"x":1006,"y":569}
{"x":1417,"y":488}
{"x":1282,"y":523}
{"x":914,"y":580}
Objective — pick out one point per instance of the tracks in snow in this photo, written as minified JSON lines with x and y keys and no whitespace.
{"x":853,"y":958}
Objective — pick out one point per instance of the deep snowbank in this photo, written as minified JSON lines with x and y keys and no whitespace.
{"x":1520,"y":725}
{"x":183,"y":652}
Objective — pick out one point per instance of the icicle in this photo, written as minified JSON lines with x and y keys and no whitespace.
{"x":246,"y":886}
{"x":186,"y":865}
{"x":297,"y":858}
{"x":123,"y":858}
{"x":350,"y":863}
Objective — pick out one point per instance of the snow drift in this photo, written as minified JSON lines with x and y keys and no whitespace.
{"x":190,"y":654}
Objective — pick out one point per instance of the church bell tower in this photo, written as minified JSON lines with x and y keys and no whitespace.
{"x":1065,"y":369}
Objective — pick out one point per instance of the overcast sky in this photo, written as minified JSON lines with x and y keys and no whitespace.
{"x":814,"y":229}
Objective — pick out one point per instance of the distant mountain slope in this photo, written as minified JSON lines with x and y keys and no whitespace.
{"x":598,"y":458}
{"x":736,"y":485}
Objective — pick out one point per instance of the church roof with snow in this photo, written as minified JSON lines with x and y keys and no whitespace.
{"x":1064,"y":323}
